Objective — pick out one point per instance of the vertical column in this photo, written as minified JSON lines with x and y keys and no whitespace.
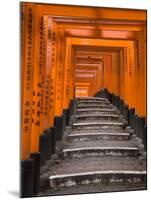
{"x":63,"y":55}
{"x":141,"y":73}
{"x":121,"y":75}
{"x":27,"y":77}
{"x":72,"y":75}
{"x":137,"y":66}
{"x":125,"y":96}
{"x":131,"y":76}
{"x":48,"y":72}
{"x":97,"y":72}
{"x":30,"y":165}
{"x":37,"y":84}
{"x":105,"y":75}
{"x":110,"y":73}
{"x":53,"y":35}
{"x":144,"y":109}
{"x":67,"y":72}
{"x":42,"y":56}
{"x":115,"y":74}
{"x":59,"y":73}
{"x":113,"y":78}
{"x":106,"y":71}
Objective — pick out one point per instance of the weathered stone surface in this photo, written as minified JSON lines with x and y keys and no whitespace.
{"x":97,"y":117}
{"x":98,"y":136}
{"x":99,"y":153}
{"x":104,"y":124}
{"x":86,"y":178}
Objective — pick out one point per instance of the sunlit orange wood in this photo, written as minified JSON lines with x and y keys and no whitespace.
{"x":37,"y":82}
{"x":121,"y":74}
{"x":103,"y":13}
{"x":81,"y":92}
{"x":48,"y":74}
{"x":92,"y":28}
{"x":66,"y":76}
{"x":42,"y":55}
{"x":47,"y":60}
{"x":140,"y":73}
{"x":87,"y":73}
{"x":59,"y":74}
{"x":27,"y":77}
{"x":52,"y":35}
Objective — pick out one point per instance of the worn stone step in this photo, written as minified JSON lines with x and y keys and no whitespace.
{"x":87,"y":117}
{"x":92,"y":188}
{"x":80,"y":165}
{"x":97,"y":136}
{"x":96,"y":177}
{"x":83,"y":103}
{"x":95,"y":106}
{"x":99,"y":152}
{"x":102,"y":143}
{"x":96,"y":111}
{"x":99,"y":148}
{"x":97,"y":125}
{"x":91,"y":99}
{"x":91,"y":170}
{"x":109,"y":130}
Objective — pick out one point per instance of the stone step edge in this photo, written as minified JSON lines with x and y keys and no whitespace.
{"x":99,"y":152}
{"x":101,"y":106}
{"x":84,"y":98}
{"x":100,"y":115}
{"x":98,"y":134}
{"x":107,"y":103}
{"x":93,"y":101}
{"x":99,"y":148}
{"x":98,"y":172}
{"x":96,"y":109}
{"x":112,"y":176}
{"x":97,"y":123}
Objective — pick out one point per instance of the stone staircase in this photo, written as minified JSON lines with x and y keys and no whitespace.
{"x":99,"y":153}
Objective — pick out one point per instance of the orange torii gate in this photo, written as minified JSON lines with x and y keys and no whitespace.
{"x":95,"y":74}
{"x":88,"y":75}
{"x":86,"y":85}
{"x":130,"y":96}
{"x":105,"y":69}
{"x":87,"y":80}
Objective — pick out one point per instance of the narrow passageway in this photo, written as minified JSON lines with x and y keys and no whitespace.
{"x":97,"y":153}
{"x":83,"y":94}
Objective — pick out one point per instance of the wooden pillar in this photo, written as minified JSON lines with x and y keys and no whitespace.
{"x":59,"y":73}
{"x":37,"y":84}
{"x":27,"y":69}
{"x":67,"y":73}
{"x":47,"y":117}
{"x":53,"y":38}
{"x":121,"y":74}
{"x":141,"y":73}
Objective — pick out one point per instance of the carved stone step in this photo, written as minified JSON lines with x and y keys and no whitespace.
{"x":98,"y":136}
{"x":99,"y":152}
{"x":82,"y":103}
{"x":91,"y":99}
{"x":92,"y":117}
{"x":108,"y":177}
{"x":97,"y":125}
{"x":95,"y":106}
{"x":81,"y":111}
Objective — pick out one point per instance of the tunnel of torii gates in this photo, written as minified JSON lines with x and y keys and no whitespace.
{"x":71,"y":51}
